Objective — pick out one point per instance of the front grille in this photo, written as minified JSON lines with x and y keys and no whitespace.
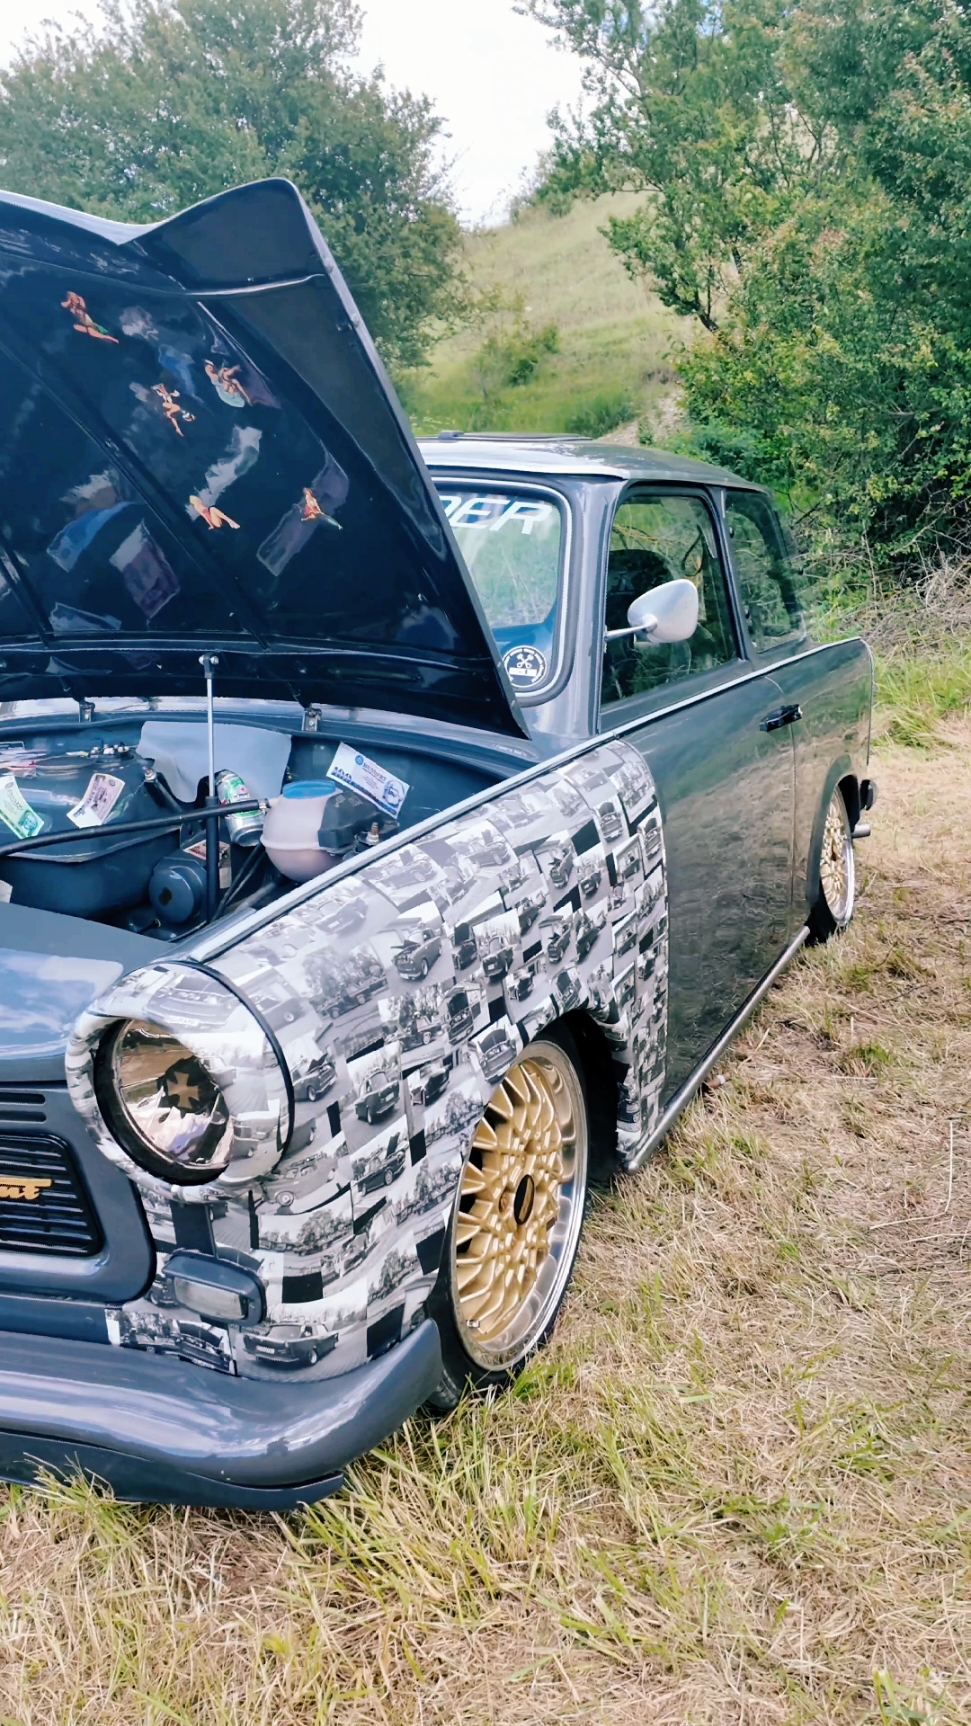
{"x":21,"y":1105}
{"x":44,"y":1207}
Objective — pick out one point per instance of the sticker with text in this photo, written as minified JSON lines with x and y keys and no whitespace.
{"x":360,"y":774}
{"x":525,"y":666}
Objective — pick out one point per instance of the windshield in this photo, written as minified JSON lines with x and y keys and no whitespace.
{"x":512,"y":541}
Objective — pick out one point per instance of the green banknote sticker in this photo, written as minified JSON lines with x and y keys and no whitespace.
{"x":16,"y":811}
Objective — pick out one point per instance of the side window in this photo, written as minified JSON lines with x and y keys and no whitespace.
{"x":767,"y":575}
{"x":653,"y":540}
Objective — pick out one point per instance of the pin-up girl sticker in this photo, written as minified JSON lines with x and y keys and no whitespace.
{"x":326,"y":493}
{"x":311,"y":510}
{"x":172,"y":408}
{"x":208,"y":512}
{"x":83,"y":321}
{"x":226,"y":383}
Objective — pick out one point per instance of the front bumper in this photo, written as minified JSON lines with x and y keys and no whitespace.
{"x":164,"y":1432}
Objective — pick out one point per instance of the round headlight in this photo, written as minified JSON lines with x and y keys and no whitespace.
{"x":162,"y":1105}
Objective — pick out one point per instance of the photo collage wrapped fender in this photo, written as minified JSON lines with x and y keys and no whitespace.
{"x":400,"y":996}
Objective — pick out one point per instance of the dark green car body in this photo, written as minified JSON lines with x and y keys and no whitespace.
{"x":631,"y":833}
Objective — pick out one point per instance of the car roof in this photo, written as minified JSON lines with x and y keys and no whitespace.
{"x":574,"y":457}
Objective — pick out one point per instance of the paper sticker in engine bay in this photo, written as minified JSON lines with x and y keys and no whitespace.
{"x":359,"y":773}
{"x":98,"y":801}
{"x":16,"y":811}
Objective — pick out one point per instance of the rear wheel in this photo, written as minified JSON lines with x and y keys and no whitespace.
{"x":837,"y":873}
{"x":515,"y":1227}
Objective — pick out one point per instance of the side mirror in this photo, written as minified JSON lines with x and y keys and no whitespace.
{"x":666,"y":613}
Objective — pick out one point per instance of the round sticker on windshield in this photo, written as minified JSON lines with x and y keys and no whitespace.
{"x":525,"y":666}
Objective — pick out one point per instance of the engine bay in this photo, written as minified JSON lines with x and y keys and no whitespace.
{"x":148,"y":826}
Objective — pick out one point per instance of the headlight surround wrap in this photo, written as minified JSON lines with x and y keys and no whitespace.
{"x":217,"y":1045}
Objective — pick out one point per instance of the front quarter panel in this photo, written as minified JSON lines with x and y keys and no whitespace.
{"x":342,"y":1211}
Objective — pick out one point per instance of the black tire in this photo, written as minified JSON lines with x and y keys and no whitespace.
{"x":555,"y":1069}
{"x":836,"y":899}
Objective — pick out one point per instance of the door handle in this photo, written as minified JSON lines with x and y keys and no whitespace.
{"x":780,"y":716}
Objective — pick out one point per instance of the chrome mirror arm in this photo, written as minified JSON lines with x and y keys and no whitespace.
{"x":641,"y":629}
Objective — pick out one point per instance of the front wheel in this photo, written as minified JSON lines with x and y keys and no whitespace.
{"x":837,"y":873}
{"x":515,"y":1226}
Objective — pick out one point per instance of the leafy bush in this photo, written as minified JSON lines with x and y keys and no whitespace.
{"x":508,"y":359}
{"x":734,"y":447}
{"x":601,"y":413}
{"x":807,"y":200}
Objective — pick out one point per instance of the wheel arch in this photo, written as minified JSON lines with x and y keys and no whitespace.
{"x":596,"y":1054}
{"x":840,"y":777}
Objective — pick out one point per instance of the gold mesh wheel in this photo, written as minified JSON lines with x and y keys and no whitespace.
{"x":519,"y":1208}
{"x":837,"y":872}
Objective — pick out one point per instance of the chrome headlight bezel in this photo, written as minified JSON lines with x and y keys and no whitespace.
{"x":213,"y":1149}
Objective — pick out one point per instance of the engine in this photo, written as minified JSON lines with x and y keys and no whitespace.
{"x":113,"y":828}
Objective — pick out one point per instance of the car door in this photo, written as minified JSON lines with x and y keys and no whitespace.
{"x":723,"y":771}
{"x":823,"y":693}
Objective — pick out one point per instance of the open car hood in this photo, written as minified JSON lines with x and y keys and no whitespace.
{"x":201,"y":452}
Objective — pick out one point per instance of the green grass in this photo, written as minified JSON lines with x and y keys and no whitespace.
{"x":915,"y":691}
{"x":733,"y":1489}
{"x":921,"y":641}
{"x":614,"y":337}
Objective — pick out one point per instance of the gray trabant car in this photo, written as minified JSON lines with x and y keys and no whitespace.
{"x":289,"y":1345}
{"x":316,"y":1079}
{"x":417,"y":954}
{"x":379,"y":1097}
{"x":535,"y":685}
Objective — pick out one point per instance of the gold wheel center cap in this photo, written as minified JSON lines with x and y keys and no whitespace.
{"x":522,"y":1203}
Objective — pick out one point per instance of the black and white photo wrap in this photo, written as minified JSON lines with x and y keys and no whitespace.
{"x":398,"y":997}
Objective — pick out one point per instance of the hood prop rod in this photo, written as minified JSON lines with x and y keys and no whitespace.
{"x":208,"y":661}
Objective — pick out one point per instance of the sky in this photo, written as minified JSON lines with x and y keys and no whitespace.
{"x":492,"y":75}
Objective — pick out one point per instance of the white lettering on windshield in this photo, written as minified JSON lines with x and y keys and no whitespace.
{"x":488,"y":510}
{"x":528,"y":511}
{"x":476,"y":511}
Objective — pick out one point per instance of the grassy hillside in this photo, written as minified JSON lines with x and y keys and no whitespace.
{"x":612,"y":337}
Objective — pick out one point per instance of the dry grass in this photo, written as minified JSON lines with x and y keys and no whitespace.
{"x":920,"y":635}
{"x":735,"y":1490}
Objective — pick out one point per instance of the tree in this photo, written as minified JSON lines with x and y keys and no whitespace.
{"x":691,"y":105}
{"x":846,"y":345}
{"x":807,"y":165}
{"x":174,"y":100}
